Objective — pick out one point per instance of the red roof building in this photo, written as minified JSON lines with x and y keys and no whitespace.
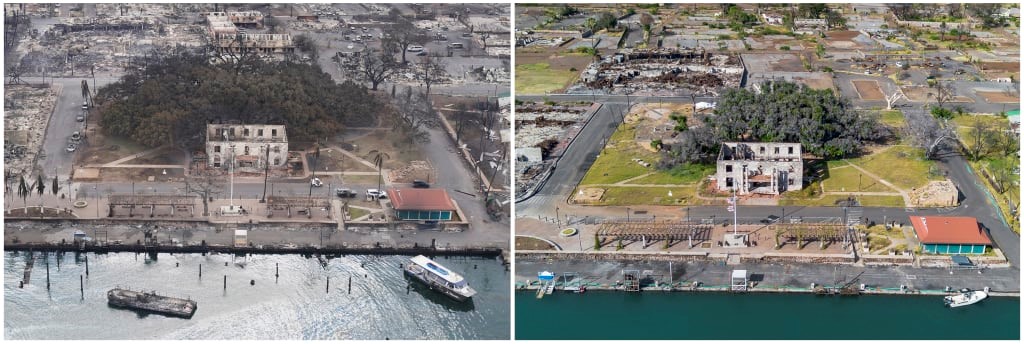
{"x":421,"y":204}
{"x":950,"y":235}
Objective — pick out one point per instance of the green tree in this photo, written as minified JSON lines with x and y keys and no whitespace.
{"x":378,"y":162}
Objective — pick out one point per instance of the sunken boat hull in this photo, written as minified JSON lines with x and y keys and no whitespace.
{"x":151,"y":303}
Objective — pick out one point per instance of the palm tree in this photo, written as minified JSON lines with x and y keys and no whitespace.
{"x":378,"y":161}
{"x":23,"y":191}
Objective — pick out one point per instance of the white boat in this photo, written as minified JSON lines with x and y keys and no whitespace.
{"x":439,"y":278}
{"x":964,"y":298}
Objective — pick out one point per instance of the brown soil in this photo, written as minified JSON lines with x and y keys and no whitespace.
{"x":526,"y":243}
{"x":998,"y":97}
{"x":842,"y":35}
{"x":920,"y":94}
{"x":868,"y":89}
{"x":1001,"y":66}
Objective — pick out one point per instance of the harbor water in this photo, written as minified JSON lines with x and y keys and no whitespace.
{"x":779,"y":316}
{"x":298,"y":304}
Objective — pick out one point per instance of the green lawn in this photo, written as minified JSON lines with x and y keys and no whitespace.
{"x":902,"y":166}
{"x":356,"y":213}
{"x":615,"y":161}
{"x":830,"y":200}
{"x":626,"y":195}
{"x":1012,"y":193}
{"x":688,"y":174}
{"x":538,"y":78}
{"x":849,"y":179}
{"x":893,"y":118}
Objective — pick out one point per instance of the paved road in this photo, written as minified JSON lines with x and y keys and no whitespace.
{"x":574,"y":162}
{"x":63,"y":123}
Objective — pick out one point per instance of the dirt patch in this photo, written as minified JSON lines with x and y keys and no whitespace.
{"x":333,"y":160}
{"x":1012,"y":67}
{"x":920,"y":94}
{"x":416,"y":170}
{"x":998,"y":97}
{"x":935,"y":194}
{"x":842,"y":35}
{"x":400,"y":150}
{"x":527,"y":243}
{"x":868,"y":89}
{"x":589,"y":195}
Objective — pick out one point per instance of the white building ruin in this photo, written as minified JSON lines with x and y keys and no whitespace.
{"x":767,"y":168}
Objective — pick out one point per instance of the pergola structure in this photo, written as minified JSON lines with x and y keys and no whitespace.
{"x":648,"y":231}
{"x":130,"y":201}
{"x":803,"y":232}
{"x":287,"y":203}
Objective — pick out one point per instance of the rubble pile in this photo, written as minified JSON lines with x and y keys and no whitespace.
{"x":26,"y":113}
{"x":83,"y":46}
{"x":322,"y":25}
{"x":416,"y":169}
{"x":645,"y":70}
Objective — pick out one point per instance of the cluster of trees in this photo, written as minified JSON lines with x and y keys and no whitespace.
{"x":604,"y":21}
{"x":987,"y":13}
{"x":738,"y":18}
{"x":823,"y":123}
{"x":174,"y":96}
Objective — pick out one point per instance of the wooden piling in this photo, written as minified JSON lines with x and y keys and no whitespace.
{"x":350,"y":284}
{"x":277,"y":270}
{"x":328,"y":284}
{"x":87,"y":265}
{"x":81,"y":285}
{"x":200,"y":271}
{"x":225,"y":282}
{"x":47,"y":273}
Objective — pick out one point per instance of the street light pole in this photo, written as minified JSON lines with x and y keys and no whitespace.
{"x":627,"y":214}
{"x":558,"y":219}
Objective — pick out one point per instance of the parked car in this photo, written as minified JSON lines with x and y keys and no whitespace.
{"x":414,"y":48}
{"x":80,"y":118}
{"x":345,"y":192}
{"x":76,"y":136}
{"x":316,"y":182}
{"x":422,"y":53}
{"x":374,"y":193}
{"x":72,"y":147}
{"x":420,"y":184}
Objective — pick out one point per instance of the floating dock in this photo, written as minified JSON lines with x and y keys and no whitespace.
{"x":151,"y":302}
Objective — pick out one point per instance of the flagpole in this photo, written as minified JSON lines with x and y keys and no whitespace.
{"x":735,"y":208}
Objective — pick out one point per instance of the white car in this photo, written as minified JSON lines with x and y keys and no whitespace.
{"x":374,"y":193}
{"x":414,"y":48}
{"x":316,"y":182}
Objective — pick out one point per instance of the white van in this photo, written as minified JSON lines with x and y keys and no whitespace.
{"x":455,"y":45}
{"x":414,"y":48}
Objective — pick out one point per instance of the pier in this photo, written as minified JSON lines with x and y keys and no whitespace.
{"x":342,"y":250}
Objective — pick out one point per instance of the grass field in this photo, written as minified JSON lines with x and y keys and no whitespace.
{"x":831,"y":199}
{"x":688,"y":174}
{"x":356,"y":213}
{"x":614,"y":164}
{"x":849,"y":179}
{"x":905,"y":167}
{"x":626,"y":195}
{"x":893,"y":118}
{"x":539,"y":78}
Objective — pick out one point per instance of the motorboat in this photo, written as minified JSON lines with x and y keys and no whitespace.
{"x":439,"y":278}
{"x":965,"y":297}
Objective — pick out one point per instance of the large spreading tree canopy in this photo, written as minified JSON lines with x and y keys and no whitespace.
{"x":823,"y":123}
{"x":173,"y":97}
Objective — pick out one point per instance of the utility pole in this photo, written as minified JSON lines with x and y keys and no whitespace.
{"x":266,"y":175}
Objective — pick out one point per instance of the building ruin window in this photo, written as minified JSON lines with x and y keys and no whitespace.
{"x":277,"y":161}
{"x":216,"y":149}
{"x":245,"y":132}
{"x":728,"y":168}
{"x":246,"y":150}
{"x":790,"y":150}
{"x":277,"y":149}
{"x":728,"y":182}
{"x":259,"y":132}
{"x":273,"y":132}
{"x":776,"y":150}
